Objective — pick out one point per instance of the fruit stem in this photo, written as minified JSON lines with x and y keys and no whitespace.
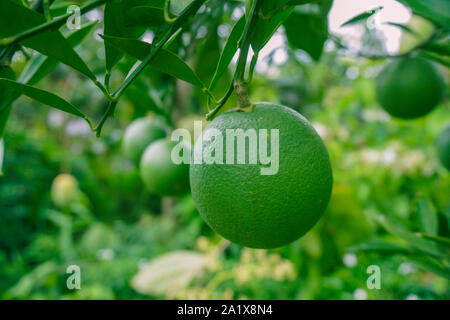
{"x":238,"y":82}
{"x":242,"y":94}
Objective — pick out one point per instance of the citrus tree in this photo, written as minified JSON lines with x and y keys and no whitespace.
{"x":157,"y":52}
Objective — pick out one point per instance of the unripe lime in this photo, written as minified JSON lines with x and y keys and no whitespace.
{"x":409,"y":87}
{"x":160,"y":174}
{"x":443,"y":147}
{"x":65,"y":190}
{"x":139,"y":135}
{"x":264,"y":211}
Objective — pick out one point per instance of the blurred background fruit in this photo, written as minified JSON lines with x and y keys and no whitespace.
{"x":65,"y":190}
{"x":410,"y":87}
{"x":139,"y":135}
{"x":443,"y":147}
{"x":158,"y":171}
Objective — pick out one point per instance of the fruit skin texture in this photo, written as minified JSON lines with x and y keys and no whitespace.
{"x":409,"y":88}
{"x":139,"y":135}
{"x":265,"y":211}
{"x":160,"y":175}
{"x":443,"y":147}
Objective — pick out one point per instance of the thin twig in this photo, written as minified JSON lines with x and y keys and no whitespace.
{"x":244,"y":46}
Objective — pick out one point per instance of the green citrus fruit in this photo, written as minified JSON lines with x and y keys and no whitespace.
{"x":264,"y":211}
{"x":410,"y":87}
{"x":160,"y":174}
{"x":139,"y":135}
{"x":443,"y":147}
{"x":65,"y":190}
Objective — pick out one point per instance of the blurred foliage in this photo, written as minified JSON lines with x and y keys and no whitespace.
{"x":390,"y":204}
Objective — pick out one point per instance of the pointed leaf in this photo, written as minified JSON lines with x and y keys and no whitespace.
{"x":115,"y":25}
{"x":41,"y":65}
{"x":417,"y":242}
{"x":428,"y":216}
{"x":402,"y":26}
{"x":437,"y":11}
{"x":266,"y":27}
{"x":4,"y":116}
{"x":300,"y":2}
{"x":432,"y":265}
{"x":2,"y":154}
{"x":145,"y":16}
{"x":15,"y":19}
{"x":228,"y":52}
{"x":444,"y":241}
{"x":445,"y":61}
{"x":307,"y":31}
{"x":165,"y":61}
{"x":361,"y":17}
{"x":43,"y":96}
{"x":439,"y":47}
{"x":5,"y":96}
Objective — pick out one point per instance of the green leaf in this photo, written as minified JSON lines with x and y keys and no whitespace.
{"x":44,"y":97}
{"x":445,"y":61}
{"x":115,"y":25}
{"x":4,"y":115}
{"x":208,"y":52}
{"x":441,"y":240}
{"x":228,"y":52}
{"x":272,"y":5}
{"x":165,"y":61}
{"x":432,"y":265}
{"x":266,"y":27}
{"x":300,"y":2}
{"x":439,"y":47}
{"x":381,"y":247}
{"x":2,"y":154}
{"x":145,"y":16}
{"x":15,"y":19}
{"x":308,"y":30}
{"x":428,"y":216}
{"x":361,"y":17}
{"x":402,"y":26}
{"x":41,"y":65}
{"x":425,"y":246}
{"x":5,"y":97}
{"x":437,"y":11}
